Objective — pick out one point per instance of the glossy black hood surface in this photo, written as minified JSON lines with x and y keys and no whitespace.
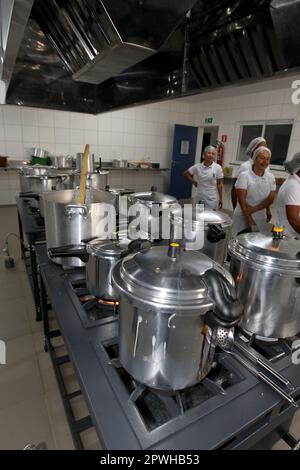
{"x":94,"y":56}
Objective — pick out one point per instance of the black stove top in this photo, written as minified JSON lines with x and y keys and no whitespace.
{"x":231,"y":408}
{"x":157,"y":407}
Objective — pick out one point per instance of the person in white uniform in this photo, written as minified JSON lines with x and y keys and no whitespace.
{"x":247,"y":165}
{"x":256,"y":189}
{"x":209,"y":180}
{"x":288,"y":201}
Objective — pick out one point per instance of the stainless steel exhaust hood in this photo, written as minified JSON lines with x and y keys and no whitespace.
{"x":93,"y":56}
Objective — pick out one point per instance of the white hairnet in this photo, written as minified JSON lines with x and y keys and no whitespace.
{"x":293,"y":165}
{"x":260,"y":150}
{"x":209,"y":148}
{"x":254,"y":144}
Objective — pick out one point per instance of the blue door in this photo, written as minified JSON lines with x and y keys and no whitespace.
{"x":184,"y":150}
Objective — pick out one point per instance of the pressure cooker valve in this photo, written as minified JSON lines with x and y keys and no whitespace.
{"x":174,"y":249}
{"x":278,"y":232}
{"x":215,"y":233}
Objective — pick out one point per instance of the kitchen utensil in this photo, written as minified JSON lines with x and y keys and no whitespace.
{"x":225,"y":340}
{"x":84,"y":170}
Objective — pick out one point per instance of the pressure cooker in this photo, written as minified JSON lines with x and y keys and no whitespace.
{"x":266,"y":269}
{"x":203,"y":230}
{"x":100,"y":257}
{"x":150,"y":207}
{"x":171,"y":303}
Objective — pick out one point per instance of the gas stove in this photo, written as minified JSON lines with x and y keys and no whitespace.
{"x":230,"y":409}
{"x":92,"y":311}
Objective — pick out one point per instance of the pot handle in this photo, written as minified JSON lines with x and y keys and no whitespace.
{"x":69,"y":251}
{"x":29,"y":195}
{"x":74,"y":209}
{"x":135,"y":246}
{"x":228,"y":309}
{"x":215,"y":233}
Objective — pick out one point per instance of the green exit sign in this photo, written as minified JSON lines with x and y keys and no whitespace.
{"x":208,"y":120}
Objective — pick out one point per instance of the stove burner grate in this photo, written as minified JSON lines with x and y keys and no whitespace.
{"x":157,"y":407}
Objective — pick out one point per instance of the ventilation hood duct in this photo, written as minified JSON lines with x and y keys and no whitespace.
{"x":94,"y":56}
{"x":97,"y":40}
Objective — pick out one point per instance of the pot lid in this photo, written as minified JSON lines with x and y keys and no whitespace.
{"x":154,"y":276}
{"x":202,"y":216}
{"x":152,"y":197}
{"x":264,"y":249}
{"x":108,"y":247}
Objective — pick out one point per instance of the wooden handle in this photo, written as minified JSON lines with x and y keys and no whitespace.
{"x":84,"y":168}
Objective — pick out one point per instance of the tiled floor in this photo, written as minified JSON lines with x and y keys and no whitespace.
{"x":31,"y":409}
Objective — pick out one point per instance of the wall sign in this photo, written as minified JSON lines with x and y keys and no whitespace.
{"x":224,"y":138}
{"x":184,"y":147}
{"x":208,"y":120}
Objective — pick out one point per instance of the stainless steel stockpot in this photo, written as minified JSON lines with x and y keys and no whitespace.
{"x":68,"y":223}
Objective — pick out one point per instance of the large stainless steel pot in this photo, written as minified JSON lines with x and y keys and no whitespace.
{"x":100,"y":257}
{"x":155,"y":205}
{"x":210,"y":228}
{"x":121,"y":204}
{"x":68,"y":223}
{"x":267,"y":274}
{"x":171,"y":303}
{"x":91,"y":162}
{"x":43,"y":183}
{"x":62,"y":161}
{"x":96,"y":180}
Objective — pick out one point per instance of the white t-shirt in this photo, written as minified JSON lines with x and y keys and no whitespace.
{"x":258,"y":188}
{"x":288,"y":195}
{"x":207,"y":177}
{"x":245,"y":167}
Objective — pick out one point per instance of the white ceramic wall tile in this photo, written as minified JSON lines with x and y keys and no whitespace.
{"x":62,"y":119}
{"x":13,"y":133}
{"x":62,"y":136}
{"x":62,"y":149}
{"x":30,"y":134}
{"x":289,"y":111}
{"x":274,"y":112}
{"x":2,"y":132}
{"x":29,"y":117}
{"x":12,"y":115}
{"x":76,"y":136}
{"x":2,"y":148}
{"x":45,"y":118}
{"x":14,"y":149}
{"x":1,"y":114}
{"x":105,"y":125}
{"x":46,"y":134}
{"x":91,"y":137}
{"x":76,"y":121}
{"x":117,"y":125}
{"x":90,"y":122}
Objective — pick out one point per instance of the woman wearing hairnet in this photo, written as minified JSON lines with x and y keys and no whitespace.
{"x":209,"y":181}
{"x":256,"y":189}
{"x":247,"y":165}
{"x":288,"y":201}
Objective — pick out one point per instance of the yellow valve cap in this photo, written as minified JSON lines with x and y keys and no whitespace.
{"x":278,"y":229}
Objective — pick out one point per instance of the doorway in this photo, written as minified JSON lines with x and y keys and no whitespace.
{"x":210,"y":137}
